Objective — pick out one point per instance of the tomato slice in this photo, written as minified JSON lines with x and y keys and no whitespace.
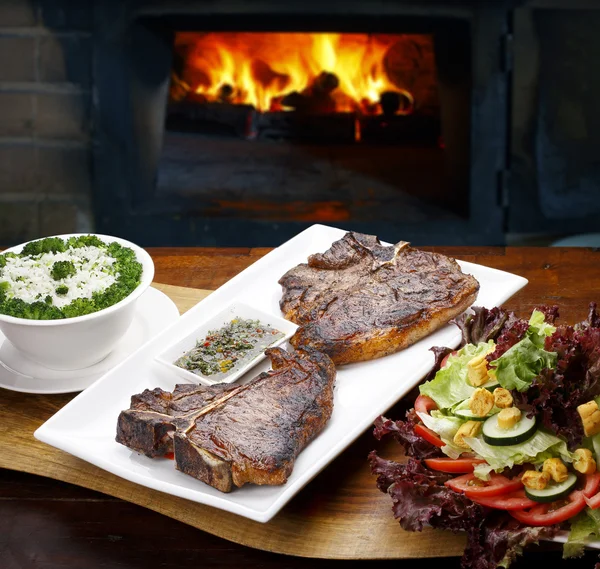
{"x":553,"y":513}
{"x":429,"y":436}
{"x":424,"y":404}
{"x":593,"y":501}
{"x":592,"y":483}
{"x":456,"y":465}
{"x":445,"y":359}
{"x":473,"y":487}
{"x":590,"y":491}
{"x":511,"y":501}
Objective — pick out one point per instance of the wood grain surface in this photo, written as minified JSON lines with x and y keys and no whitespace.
{"x":340,"y":514}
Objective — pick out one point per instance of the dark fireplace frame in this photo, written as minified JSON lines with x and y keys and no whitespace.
{"x":131,"y":64}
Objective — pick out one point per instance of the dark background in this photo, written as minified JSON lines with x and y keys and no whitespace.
{"x":83,"y":89}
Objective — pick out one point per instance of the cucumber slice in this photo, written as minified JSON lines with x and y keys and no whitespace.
{"x":491,"y":384}
{"x":497,"y":436}
{"x":469,"y":415}
{"x":554,"y":490}
{"x":463,"y":411}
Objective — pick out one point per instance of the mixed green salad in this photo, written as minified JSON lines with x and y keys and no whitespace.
{"x":54,"y":278}
{"x":504,"y":437}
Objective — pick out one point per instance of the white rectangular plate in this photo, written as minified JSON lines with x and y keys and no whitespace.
{"x":363,"y":390}
{"x":183,"y":343}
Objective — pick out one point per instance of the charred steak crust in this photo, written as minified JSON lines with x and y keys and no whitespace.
{"x":361,"y":300}
{"x":256,"y":435}
{"x":149,"y":424}
{"x":229,"y":435}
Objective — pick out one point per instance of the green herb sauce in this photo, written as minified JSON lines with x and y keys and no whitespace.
{"x":224,"y":350}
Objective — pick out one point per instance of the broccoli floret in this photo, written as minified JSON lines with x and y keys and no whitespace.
{"x":62,"y":290}
{"x":4,"y":286}
{"x":113,"y":294}
{"x":34,"y":311}
{"x":48,"y":245}
{"x":128,"y":267}
{"x":79,"y":307}
{"x":85,"y":241}
{"x":114,"y":248}
{"x":4,"y":258}
{"x":62,"y":270}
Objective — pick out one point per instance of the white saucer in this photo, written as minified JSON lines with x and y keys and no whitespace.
{"x":154,"y":312}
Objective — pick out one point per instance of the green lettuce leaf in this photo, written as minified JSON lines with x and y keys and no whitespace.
{"x":518,"y":366}
{"x":583,"y":527}
{"x":450,"y":385}
{"x":539,"y":328}
{"x":535,"y":450}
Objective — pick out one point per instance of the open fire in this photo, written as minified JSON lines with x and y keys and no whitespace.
{"x":343,"y":126}
{"x":312,"y":73}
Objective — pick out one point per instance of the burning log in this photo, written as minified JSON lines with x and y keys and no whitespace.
{"x":211,"y":118}
{"x":316,"y":98}
{"x":293,"y":100}
{"x":396,"y":102}
{"x":243,"y":121}
{"x":335,"y":127}
{"x":325,"y":82}
{"x":226,"y":93}
{"x":314,"y":103}
{"x":390,"y":102}
{"x":366,"y":107}
{"x":198,"y":98}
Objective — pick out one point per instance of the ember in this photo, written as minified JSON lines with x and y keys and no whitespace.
{"x":312,"y":73}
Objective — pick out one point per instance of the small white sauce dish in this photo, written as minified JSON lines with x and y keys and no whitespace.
{"x":235,"y":310}
{"x":82,"y":341}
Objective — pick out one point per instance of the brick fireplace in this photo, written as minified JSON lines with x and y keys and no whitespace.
{"x":87,"y":140}
{"x":45,"y":127}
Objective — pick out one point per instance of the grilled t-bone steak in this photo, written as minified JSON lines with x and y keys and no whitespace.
{"x":256,"y":435}
{"x":361,"y":300}
{"x":230,"y":436}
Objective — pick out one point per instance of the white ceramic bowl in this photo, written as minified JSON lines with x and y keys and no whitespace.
{"x":76,"y":343}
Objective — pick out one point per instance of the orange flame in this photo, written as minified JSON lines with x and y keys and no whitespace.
{"x":260,"y":69}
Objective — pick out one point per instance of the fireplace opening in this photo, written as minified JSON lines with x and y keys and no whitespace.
{"x":285,"y":127}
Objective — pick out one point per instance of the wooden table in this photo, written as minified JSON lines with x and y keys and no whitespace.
{"x":51,"y":525}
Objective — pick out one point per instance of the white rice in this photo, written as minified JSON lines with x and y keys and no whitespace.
{"x":31,"y":280}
